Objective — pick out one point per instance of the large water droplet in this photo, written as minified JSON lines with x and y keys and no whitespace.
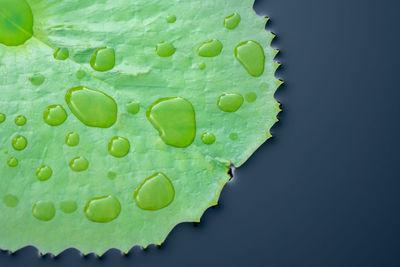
{"x":12,"y":162}
{"x":132,"y":107}
{"x":10,"y":201}
{"x":37,"y":79}
{"x":19,"y":143}
{"x":251,"y":55}
{"x":102,"y":209}
{"x":20,"y":120}
{"x":230,"y":102}
{"x":44,"y":210}
{"x":16,"y":22}
{"x":68,"y":206}
{"x":156,"y":192}
{"x":174,"y":119}
{"x":232,"y":21}
{"x":103,"y":59}
{"x":61,"y":53}
{"x":54,"y":115}
{"x":79,"y":164}
{"x":44,"y":173}
{"x":211,"y":48}
{"x":118,"y":147}
{"x":72,"y":139}
{"x":165,"y":49}
{"x":93,"y":108}
{"x":207,"y":138}
{"x":2,"y":117}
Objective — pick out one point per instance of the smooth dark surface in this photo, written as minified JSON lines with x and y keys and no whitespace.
{"x":325,"y":190}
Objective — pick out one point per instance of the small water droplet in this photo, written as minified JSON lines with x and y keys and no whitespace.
{"x":111,"y":175}
{"x":211,"y":48}
{"x":72,"y":139}
{"x":171,"y":18}
{"x":132,"y":107}
{"x":19,"y":143}
{"x":44,"y":173}
{"x":230,"y":102}
{"x":174,"y":119}
{"x":103,"y":59}
{"x":202,"y":66}
{"x":92,"y":107}
{"x":20,"y":120}
{"x":232,"y":21}
{"x":44,"y":210}
{"x":54,"y":115}
{"x":233,"y":136}
{"x":165,"y":49}
{"x":37,"y":79}
{"x":68,"y":206}
{"x":10,"y":200}
{"x":251,"y":55}
{"x":79,"y":164}
{"x":80,"y":74}
{"x":156,"y":192}
{"x":207,"y":138}
{"x":118,"y":147}
{"x":12,"y":162}
{"x":2,"y":117}
{"x":61,"y":53}
{"x":251,"y":97}
{"x":102,"y":209}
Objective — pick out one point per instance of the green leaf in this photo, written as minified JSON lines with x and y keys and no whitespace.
{"x":119,"y":119}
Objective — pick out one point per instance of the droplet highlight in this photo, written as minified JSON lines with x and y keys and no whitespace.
{"x":79,"y":164}
{"x":207,"y":138}
{"x":102,"y":209}
{"x":44,"y":173}
{"x":165,"y":49}
{"x":118,"y":147}
{"x":230,"y":102}
{"x":251,"y":55}
{"x":19,"y":143}
{"x":12,"y":162}
{"x":61,"y":53}
{"x":68,"y":206}
{"x":103,"y":59}
{"x":132,"y":107}
{"x":44,"y":210}
{"x":54,"y":115}
{"x":72,"y":139}
{"x":211,"y":48}
{"x":20,"y":120}
{"x":10,"y":201}
{"x":37,"y":79}
{"x":232,"y":21}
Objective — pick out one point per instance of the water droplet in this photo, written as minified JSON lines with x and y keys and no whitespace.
{"x":20,"y":120}
{"x":251,"y":97}
{"x":80,"y":74}
{"x":2,"y":117}
{"x":118,"y":147}
{"x":251,"y":55}
{"x":156,"y":192}
{"x":211,"y":48}
{"x":171,"y":18}
{"x":111,"y":175}
{"x":207,"y":138}
{"x":165,"y":49}
{"x":37,"y":79}
{"x":19,"y":143}
{"x":93,"y":108}
{"x":10,"y":201}
{"x":44,"y":210}
{"x":202,"y":66}
{"x":233,"y":136}
{"x":102,"y":209}
{"x":54,"y":115}
{"x":174,"y":119}
{"x":103,"y":59}
{"x":232,"y":21}
{"x":72,"y":139}
{"x":132,"y":107}
{"x":44,"y":173}
{"x":68,"y":206}
{"x":79,"y":164}
{"x":12,"y":162}
{"x":16,"y":22}
{"x":230,"y":102}
{"x":61,"y":53}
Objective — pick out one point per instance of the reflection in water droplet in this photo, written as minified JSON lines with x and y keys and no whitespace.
{"x":156,"y":192}
{"x":233,"y":136}
{"x":37,"y":79}
{"x":232,"y":21}
{"x":174,"y":119}
{"x":44,"y":173}
{"x":16,"y":22}
{"x":202,"y":66}
{"x":68,"y":206}
{"x":20,"y":120}
{"x":19,"y":143}
{"x":92,"y":107}
{"x":165,"y":49}
{"x":207,"y":138}
{"x":118,"y":147}
{"x":2,"y":117}
{"x":12,"y":162}
{"x":230,"y":102}
{"x":103,"y":59}
{"x":61,"y":53}
{"x":251,"y":55}
{"x":251,"y":97}
{"x":211,"y":48}
{"x":44,"y":210}
{"x":79,"y":164}
{"x":54,"y":115}
{"x":102,"y":209}
{"x":10,"y":201}
{"x":111,"y":175}
{"x":132,"y":107}
{"x":80,"y":74}
{"x":72,"y":139}
{"x":171,"y":18}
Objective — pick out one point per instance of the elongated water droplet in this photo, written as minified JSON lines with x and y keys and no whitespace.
{"x":165,"y":49}
{"x":251,"y":97}
{"x":156,"y":192}
{"x":207,"y":138}
{"x":44,"y":210}
{"x":230,"y":102}
{"x":72,"y":139}
{"x":37,"y":79}
{"x":171,"y":18}
{"x":93,"y":108}
{"x":61,"y":53}
{"x":102,"y":209}
{"x":103,"y":59}
{"x":10,"y":201}
{"x":44,"y":173}
{"x":12,"y":162}
{"x":68,"y":206}
{"x":19,"y":143}
{"x":20,"y":120}
{"x":211,"y":48}
{"x":132,"y":107}
{"x":174,"y":119}
{"x":80,"y":74}
{"x":118,"y":147}
{"x":232,"y":21}
{"x":79,"y":164}
{"x":2,"y":117}
{"x":251,"y":55}
{"x":16,"y":22}
{"x":54,"y":115}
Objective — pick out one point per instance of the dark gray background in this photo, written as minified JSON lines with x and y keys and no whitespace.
{"x":325,"y":190}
